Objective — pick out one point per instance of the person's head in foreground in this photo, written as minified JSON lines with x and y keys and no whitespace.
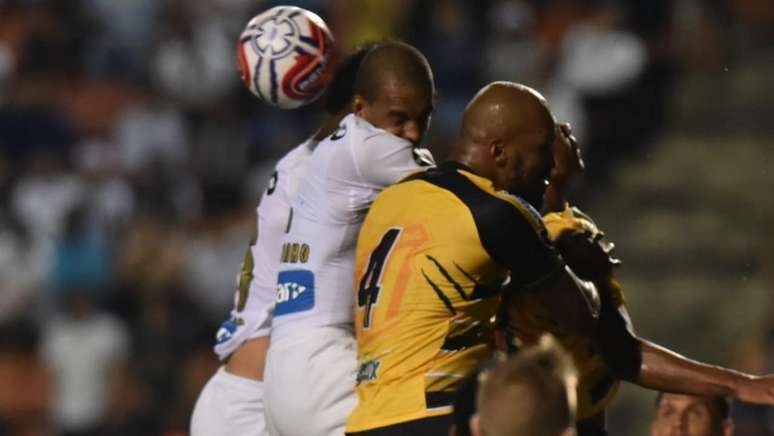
{"x":688,"y":415}
{"x":531,"y":393}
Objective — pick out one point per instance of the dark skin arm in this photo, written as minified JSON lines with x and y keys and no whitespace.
{"x":645,"y":363}
{"x":664,"y":370}
{"x":631,"y":357}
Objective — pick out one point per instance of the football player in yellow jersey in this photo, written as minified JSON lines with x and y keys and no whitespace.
{"x":579,"y":241}
{"x":433,"y":254}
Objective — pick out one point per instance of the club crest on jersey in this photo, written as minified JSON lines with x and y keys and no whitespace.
{"x":226,"y":331}
{"x":339,"y":133}
{"x":295,"y":292}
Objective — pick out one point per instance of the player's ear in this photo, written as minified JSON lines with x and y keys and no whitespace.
{"x":497,"y":151}
{"x":358,"y":104}
{"x":728,"y":427}
{"x":475,"y":425}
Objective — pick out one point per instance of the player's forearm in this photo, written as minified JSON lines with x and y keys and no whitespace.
{"x":665,"y":370}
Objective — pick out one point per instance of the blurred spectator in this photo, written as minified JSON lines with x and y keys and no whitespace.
{"x":125,"y":31}
{"x":513,"y":52}
{"x":110,"y":199}
{"x":21,"y":267}
{"x":151,"y":132}
{"x":601,"y":61}
{"x":83,"y":346}
{"x":213,"y":253}
{"x":692,"y":416}
{"x":43,"y":197}
{"x":25,"y":397}
{"x":194,"y":64}
{"x":81,"y":257}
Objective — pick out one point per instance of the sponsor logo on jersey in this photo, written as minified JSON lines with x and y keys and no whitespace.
{"x":295,"y":292}
{"x":368,"y":370}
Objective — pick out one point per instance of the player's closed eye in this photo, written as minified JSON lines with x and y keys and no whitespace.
{"x":398,"y":118}
{"x":697,"y":413}
{"x":666,"y":412}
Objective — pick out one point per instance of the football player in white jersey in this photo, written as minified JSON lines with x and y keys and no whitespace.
{"x":311,"y":364}
{"x":232,"y":401}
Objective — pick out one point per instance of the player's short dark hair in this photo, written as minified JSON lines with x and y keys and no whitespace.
{"x":721,"y":405}
{"x":393,"y":59}
{"x":342,"y":87}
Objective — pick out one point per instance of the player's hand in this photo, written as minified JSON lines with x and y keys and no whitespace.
{"x":567,"y":155}
{"x":589,"y":256}
{"x":567,"y":163}
{"x":756,"y":390}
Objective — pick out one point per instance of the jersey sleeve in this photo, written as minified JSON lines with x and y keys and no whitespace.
{"x":514,"y":234}
{"x":383,"y":159}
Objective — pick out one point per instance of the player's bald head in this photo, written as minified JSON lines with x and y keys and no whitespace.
{"x":394,"y":62}
{"x":503,"y":110}
{"x":506,"y":136}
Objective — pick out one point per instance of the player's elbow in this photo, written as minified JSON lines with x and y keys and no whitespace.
{"x":619,"y":347}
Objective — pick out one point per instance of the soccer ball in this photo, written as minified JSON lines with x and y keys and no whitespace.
{"x":285,"y":56}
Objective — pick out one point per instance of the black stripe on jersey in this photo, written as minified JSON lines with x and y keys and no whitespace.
{"x":475,"y":335}
{"x":479,"y":290}
{"x":505,"y":232}
{"x":449,"y":278}
{"x":290,"y":221}
{"x":439,"y":399}
{"x":440,"y":294}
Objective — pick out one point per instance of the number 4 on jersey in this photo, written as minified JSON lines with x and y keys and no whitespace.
{"x":371,"y":282}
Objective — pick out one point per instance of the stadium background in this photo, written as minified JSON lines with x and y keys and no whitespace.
{"x":131,"y":159}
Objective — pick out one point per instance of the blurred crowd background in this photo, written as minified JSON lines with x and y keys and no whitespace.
{"x":131,"y":160}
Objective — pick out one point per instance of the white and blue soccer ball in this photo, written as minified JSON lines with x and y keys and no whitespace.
{"x":285,"y":56}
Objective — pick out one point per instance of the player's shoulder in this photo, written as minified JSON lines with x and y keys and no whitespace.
{"x":479,"y":193}
{"x":297,"y":155}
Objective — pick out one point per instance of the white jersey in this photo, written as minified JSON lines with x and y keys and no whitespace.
{"x":349,"y":168}
{"x":254,"y":298}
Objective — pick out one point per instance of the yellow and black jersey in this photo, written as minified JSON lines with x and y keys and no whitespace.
{"x":527,"y":320}
{"x":431,"y":257}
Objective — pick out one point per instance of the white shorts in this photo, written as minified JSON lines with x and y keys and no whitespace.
{"x":229,"y":405}
{"x":310,"y":382}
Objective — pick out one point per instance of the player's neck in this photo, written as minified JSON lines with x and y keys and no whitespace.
{"x":329,"y":124}
{"x":473,"y":157}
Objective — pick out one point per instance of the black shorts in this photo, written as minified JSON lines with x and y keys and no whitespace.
{"x":433,"y":426}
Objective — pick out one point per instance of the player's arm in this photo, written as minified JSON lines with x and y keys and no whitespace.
{"x":638,"y":360}
{"x":662,"y":369}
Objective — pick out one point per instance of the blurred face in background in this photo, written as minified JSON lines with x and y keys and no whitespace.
{"x":685,"y":415}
